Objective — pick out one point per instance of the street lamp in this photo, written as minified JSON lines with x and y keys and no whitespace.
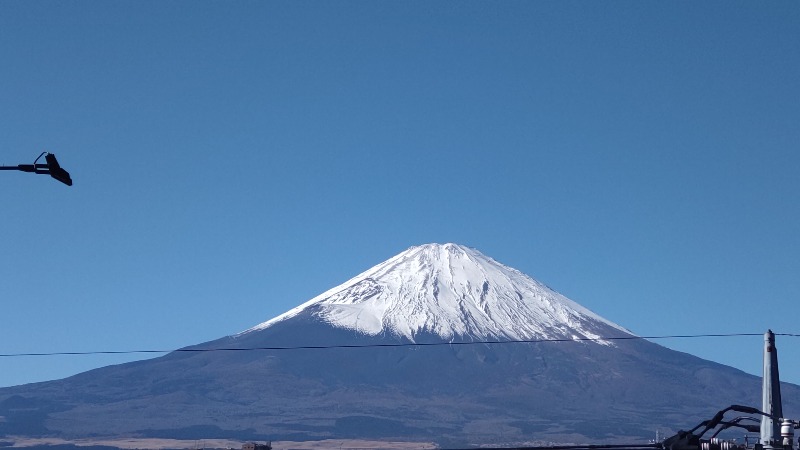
{"x":52,"y":168}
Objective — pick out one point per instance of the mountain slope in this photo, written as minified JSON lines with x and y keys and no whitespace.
{"x":454,"y":394}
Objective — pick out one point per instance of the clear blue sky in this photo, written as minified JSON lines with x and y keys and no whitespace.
{"x":233,"y":159}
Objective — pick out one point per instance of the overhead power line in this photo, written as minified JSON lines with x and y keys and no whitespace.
{"x":388,"y":345}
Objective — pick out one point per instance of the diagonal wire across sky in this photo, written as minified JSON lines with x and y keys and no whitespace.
{"x":404,"y":344}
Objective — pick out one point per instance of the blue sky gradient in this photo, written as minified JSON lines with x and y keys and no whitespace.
{"x":234,"y":159}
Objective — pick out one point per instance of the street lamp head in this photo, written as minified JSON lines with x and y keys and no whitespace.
{"x":52,"y":168}
{"x":56,"y":171}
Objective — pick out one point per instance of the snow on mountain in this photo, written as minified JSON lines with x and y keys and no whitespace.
{"x":453,"y":292}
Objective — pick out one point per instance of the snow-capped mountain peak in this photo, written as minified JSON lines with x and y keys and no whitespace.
{"x":454,"y":292}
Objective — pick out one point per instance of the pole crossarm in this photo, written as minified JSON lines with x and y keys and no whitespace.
{"x":32,"y":168}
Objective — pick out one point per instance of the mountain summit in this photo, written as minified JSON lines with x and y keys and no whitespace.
{"x":451,"y":292}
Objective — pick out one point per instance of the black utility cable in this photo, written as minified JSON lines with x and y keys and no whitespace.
{"x":408,"y":344}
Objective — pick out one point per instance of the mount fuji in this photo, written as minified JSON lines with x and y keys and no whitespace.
{"x":439,"y":343}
